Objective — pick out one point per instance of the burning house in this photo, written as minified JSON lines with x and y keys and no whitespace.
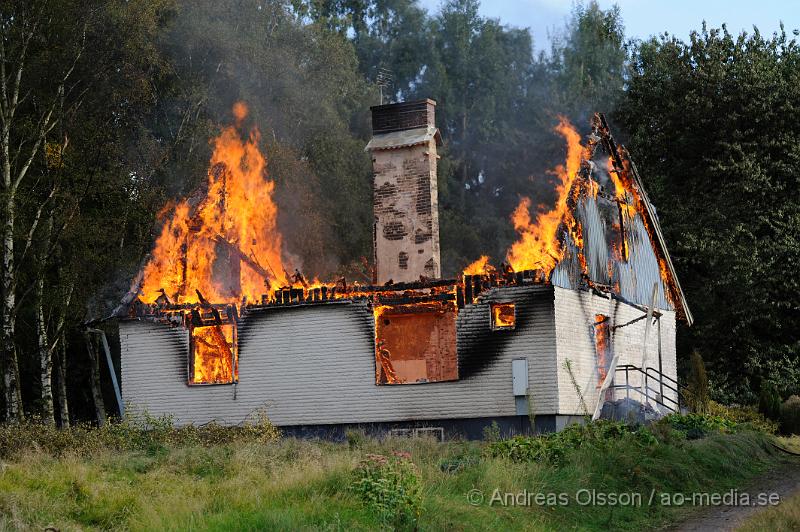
{"x":583,"y":311}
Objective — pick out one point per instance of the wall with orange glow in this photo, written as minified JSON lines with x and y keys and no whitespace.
{"x":575,"y":317}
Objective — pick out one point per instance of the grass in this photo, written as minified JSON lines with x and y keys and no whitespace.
{"x":289,"y":484}
{"x":782,"y":518}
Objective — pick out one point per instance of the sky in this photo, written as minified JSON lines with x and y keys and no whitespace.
{"x":643,"y":18}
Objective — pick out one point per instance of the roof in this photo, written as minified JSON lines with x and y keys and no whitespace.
{"x":632,"y":275}
{"x":405,"y":138}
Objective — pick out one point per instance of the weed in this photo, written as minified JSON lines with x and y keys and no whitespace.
{"x":390,"y":486}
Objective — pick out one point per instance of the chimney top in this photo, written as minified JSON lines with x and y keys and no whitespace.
{"x":402,"y":116}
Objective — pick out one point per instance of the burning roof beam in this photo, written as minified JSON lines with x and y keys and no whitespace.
{"x":620,"y":157}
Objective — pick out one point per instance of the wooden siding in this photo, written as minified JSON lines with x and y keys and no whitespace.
{"x":574,"y":321}
{"x":315,"y":365}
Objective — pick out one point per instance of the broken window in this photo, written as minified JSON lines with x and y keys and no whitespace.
{"x":602,"y":346}
{"x":504,"y":316}
{"x":213,"y":351}
{"x":415,"y":344}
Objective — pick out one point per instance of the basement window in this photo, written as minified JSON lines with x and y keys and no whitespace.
{"x":213,"y":354}
{"x":504,"y":316}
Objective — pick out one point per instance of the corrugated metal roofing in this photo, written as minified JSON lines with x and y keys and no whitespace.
{"x":402,"y":139}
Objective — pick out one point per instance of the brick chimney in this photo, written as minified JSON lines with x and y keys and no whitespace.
{"x":405,"y":194}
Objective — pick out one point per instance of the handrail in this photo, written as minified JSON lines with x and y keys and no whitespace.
{"x":645,"y":388}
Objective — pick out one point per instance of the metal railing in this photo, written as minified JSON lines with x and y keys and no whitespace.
{"x":654,"y":393}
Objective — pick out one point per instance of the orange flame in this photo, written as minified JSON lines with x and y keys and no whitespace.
{"x":213,"y":354}
{"x":538,"y":246}
{"x":503,"y":316}
{"x":193,"y":251}
{"x":478,"y":267}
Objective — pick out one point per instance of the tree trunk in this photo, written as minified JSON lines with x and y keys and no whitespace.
{"x":9,"y":351}
{"x":44,"y":354}
{"x":61,"y":374}
{"x":97,"y":393}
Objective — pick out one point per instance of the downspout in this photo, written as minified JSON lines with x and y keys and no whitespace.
{"x":111,"y":369}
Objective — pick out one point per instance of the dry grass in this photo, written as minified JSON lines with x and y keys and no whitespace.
{"x":782,"y":518}
{"x":290,"y":484}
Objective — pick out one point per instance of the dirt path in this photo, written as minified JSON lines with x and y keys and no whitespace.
{"x":783,"y":480}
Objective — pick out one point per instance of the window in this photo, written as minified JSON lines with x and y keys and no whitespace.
{"x":415,"y":344}
{"x":602,"y":346}
{"x":213,"y":354}
{"x":504,"y":316}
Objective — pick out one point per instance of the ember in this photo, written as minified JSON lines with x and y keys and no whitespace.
{"x":213,"y":354}
{"x":503,"y":316}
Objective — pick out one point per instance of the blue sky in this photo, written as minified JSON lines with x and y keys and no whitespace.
{"x":643,"y":18}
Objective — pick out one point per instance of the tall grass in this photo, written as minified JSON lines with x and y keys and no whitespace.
{"x":289,"y":484}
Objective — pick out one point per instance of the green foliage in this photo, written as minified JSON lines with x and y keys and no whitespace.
{"x":137,"y":432}
{"x":568,"y":368}
{"x":743,"y":415}
{"x":769,"y":401}
{"x":699,"y":425}
{"x":355,"y":438}
{"x":553,"y":448}
{"x":696,"y":393}
{"x":295,"y":484}
{"x":711,"y":130}
{"x":390,"y":486}
{"x":590,"y":60}
{"x":790,"y":415}
{"x":491,"y":433}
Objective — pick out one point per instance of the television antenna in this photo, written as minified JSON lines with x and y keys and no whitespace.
{"x":384,"y":80}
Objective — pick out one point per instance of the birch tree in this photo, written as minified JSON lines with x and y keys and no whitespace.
{"x":22,"y":137}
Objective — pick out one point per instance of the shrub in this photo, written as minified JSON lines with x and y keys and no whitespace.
{"x":355,"y":438}
{"x":698,"y":425}
{"x":743,"y":415}
{"x":553,"y":447}
{"x":790,"y":415}
{"x":769,"y":401}
{"x":390,"y":486}
{"x":696,"y":392}
{"x":491,"y":432}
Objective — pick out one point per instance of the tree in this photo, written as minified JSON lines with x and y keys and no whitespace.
{"x":713,"y":131}
{"x":588,"y":62}
{"x":30,"y":108}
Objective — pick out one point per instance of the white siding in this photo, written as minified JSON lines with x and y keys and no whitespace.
{"x":574,"y":320}
{"x":316,"y":365}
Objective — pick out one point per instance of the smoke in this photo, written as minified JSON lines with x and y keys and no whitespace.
{"x":303,"y":91}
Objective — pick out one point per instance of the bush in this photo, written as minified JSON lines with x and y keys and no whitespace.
{"x":769,"y":401}
{"x":390,"y":486}
{"x":355,"y":438}
{"x":698,"y":425}
{"x":491,"y":432}
{"x":790,"y":415}
{"x":743,"y":415}
{"x":696,"y":393}
{"x":553,"y":447}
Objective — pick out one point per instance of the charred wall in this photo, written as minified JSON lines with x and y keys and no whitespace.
{"x":315,"y":364}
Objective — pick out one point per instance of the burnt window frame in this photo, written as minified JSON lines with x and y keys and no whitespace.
{"x":492,"y":325}
{"x":398,"y":310}
{"x":194,"y":320}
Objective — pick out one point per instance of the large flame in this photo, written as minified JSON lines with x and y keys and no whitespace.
{"x":538,"y":246}
{"x":214,"y":358}
{"x":217,"y":245}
